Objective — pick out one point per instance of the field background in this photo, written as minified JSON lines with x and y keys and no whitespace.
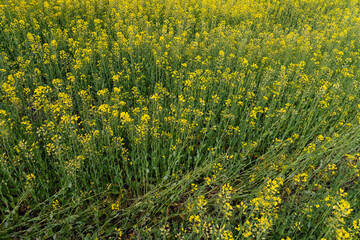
{"x":169,"y":119}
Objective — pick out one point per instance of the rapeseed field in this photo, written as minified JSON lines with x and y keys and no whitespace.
{"x":180,"y":119}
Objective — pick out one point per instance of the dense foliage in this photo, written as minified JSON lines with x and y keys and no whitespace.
{"x":179,"y":119}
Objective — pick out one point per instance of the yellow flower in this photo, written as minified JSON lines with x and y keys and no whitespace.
{"x":119,"y":231}
{"x":342,"y":234}
{"x":125,"y":117}
{"x":320,"y":137}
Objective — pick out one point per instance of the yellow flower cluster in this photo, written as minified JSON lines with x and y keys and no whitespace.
{"x":208,"y":119}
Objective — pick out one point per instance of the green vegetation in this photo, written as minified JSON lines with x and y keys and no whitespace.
{"x":179,"y":119}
